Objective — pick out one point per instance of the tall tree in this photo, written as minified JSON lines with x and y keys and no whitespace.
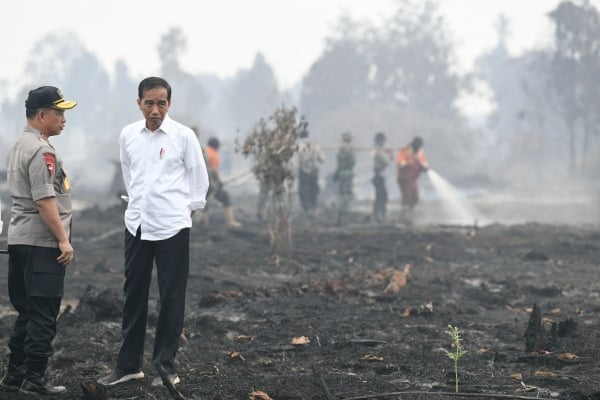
{"x":341,"y":75}
{"x":253,"y":94}
{"x":411,"y":60}
{"x":396,"y":78}
{"x":190,"y":97}
{"x":576,"y":68}
{"x":60,"y":59}
{"x":522,"y":122}
{"x":170,"y":48}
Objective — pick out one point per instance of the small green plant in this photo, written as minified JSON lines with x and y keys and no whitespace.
{"x":458,"y":352}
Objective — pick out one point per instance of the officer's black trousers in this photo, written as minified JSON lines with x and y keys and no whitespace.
{"x":381,"y":196}
{"x":35,"y":289}
{"x":172,"y":268}
{"x":308,"y":190}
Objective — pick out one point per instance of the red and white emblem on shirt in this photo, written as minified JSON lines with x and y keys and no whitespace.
{"x":50,"y":161}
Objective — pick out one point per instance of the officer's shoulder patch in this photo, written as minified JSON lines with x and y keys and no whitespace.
{"x":50,"y":161}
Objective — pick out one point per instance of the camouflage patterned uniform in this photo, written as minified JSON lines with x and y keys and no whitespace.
{"x":344,"y":174}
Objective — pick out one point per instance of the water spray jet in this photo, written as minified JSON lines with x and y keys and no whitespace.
{"x":458,"y":208}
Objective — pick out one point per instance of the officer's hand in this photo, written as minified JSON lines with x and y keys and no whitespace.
{"x":66,"y":253}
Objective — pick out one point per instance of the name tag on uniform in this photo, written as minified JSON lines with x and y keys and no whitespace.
{"x":66,"y":183}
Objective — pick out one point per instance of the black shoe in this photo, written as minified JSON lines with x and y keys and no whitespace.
{"x":10,"y":383}
{"x":120,"y":376}
{"x":40,"y":386}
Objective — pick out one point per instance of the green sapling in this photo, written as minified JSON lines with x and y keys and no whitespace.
{"x":458,"y":352}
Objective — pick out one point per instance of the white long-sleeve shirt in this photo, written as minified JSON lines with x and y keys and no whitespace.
{"x":165,"y":177}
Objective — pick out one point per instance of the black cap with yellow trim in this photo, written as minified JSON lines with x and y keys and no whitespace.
{"x":48,"y":97}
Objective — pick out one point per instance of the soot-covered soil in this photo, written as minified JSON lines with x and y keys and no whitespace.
{"x":369,"y":336}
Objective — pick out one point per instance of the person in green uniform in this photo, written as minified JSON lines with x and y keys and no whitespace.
{"x":39,"y":247}
{"x":344,"y":174}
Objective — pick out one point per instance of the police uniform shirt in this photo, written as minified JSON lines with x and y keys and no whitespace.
{"x":309,"y":156}
{"x":35,"y":172}
{"x":381,"y":160}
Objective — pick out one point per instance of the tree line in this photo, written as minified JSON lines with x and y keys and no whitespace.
{"x":397,"y":77}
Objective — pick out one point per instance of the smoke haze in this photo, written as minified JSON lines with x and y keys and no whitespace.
{"x":539,"y":143}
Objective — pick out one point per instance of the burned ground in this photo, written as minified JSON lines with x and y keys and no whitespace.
{"x":335,"y":287}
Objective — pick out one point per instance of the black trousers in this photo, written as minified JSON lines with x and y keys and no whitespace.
{"x":308,"y":190}
{"x":35,"y":289}
{"x":220,"y":194}
{"x":172,"y":269}
{"x":381,"y":196}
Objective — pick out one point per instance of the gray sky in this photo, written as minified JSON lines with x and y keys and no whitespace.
{"x":223,"y":36}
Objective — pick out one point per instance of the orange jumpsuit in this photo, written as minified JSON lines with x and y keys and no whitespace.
{"x":213,"y":160}
{"x":410,"y":165}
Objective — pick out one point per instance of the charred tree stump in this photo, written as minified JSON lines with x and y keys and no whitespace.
{"x":536,"y":338}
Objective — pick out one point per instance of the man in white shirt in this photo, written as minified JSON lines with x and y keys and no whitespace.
{"x":166,"y":180}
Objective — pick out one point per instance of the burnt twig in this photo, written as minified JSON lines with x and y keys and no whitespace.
{"x":169,"y":385}
{"x":454,"y":394}
{"x":320,"y":381}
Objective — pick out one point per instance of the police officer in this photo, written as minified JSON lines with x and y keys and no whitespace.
{"x":344,"y":174}
{"x":381,"y":159}
{"x":38,"y":241}
{"x":309,"y":158}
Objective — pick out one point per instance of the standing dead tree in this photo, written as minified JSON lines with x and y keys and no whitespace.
{"x":272,"y":144}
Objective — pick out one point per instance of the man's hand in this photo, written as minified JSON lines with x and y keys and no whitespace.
{"x":66,"y":253}
{"x":49,"y":214}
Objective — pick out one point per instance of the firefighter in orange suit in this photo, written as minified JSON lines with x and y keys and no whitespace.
{"x":410,"y":162}
{"x":215,"y":189}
